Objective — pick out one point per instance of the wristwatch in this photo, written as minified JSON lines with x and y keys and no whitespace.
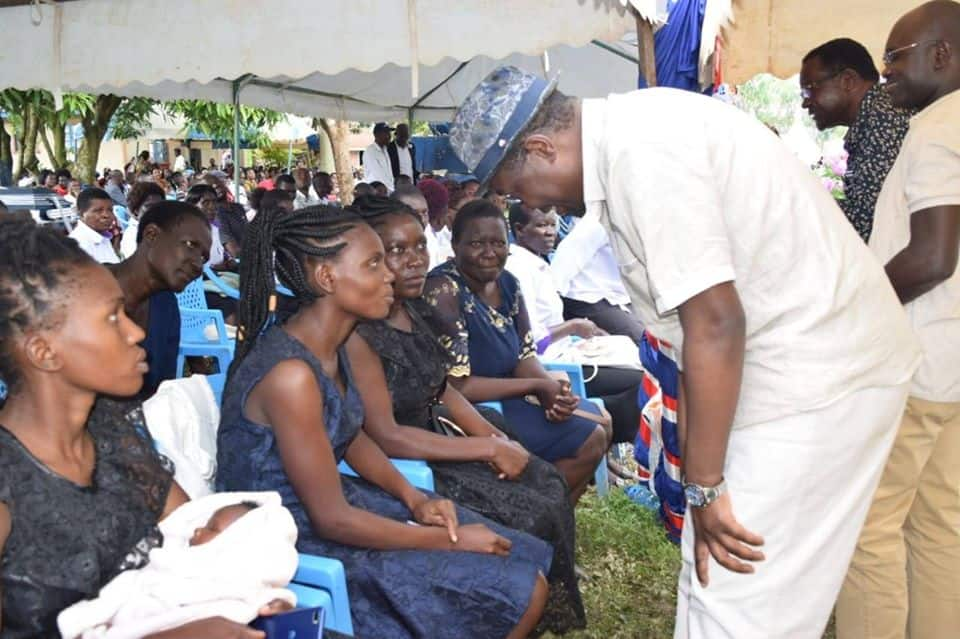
{"x":700,"y":496}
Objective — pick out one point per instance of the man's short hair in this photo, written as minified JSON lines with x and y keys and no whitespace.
{"x":519,"y":215}
{"x":285,"y":178}
{"x":88,"y":195}
{"x":557,"y":113}
{"x":844,"y":53}
{"x":168,"y":214}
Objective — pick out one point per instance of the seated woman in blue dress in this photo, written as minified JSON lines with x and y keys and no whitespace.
{"x":173,"y":242}
{"x":478,"y":311}
{"x":417,"y":566}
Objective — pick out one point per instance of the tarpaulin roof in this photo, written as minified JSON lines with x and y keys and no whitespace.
{"x":348,"y":59}
{"x":772,"y":36}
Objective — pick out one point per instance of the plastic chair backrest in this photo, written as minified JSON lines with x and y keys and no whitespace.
{"x":574,"y":372}
{"x":220,"y":283}
{"x":328,"y":575}
{"x":192,"y":296}
{"x":229,"y":291}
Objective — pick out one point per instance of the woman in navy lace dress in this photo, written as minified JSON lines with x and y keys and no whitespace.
{"x":417,"y":566}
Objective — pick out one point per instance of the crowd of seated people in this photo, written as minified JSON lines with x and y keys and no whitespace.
{"x":372,"y":345}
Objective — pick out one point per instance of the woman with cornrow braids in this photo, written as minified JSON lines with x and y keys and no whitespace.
{"x":417,"y":566}
{"x":401,"y":370}
{"x":81,"y":487}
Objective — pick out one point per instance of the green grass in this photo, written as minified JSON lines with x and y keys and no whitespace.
{"x":631,"y":569}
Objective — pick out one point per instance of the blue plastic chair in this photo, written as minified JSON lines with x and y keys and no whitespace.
{"x":195,"y":317}
{"x":321,"y":582}
{"x":122,"y":215}
{"x":579,"y":387}
{"x":415,"y":471}
{"x":230,"y":291}
{"x":220,"y":283}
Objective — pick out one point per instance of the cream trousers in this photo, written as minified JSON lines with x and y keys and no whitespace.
{"x":904,"y":580}
{"x":804,"y":483}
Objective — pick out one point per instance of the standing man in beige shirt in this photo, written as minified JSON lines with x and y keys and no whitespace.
{"x":904,"y":580}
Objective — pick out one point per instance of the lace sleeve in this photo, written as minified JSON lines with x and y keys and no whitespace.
{"x":446,"y":319}
{"x":133,"y":458}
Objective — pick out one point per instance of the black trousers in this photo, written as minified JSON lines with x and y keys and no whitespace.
{"x":618,"y":388}
{"x":610,"y":318}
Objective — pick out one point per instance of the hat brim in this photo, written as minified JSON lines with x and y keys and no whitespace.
{"x":520,"y":125}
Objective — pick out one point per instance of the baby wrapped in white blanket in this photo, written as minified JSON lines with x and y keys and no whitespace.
{"x":227,"y":555}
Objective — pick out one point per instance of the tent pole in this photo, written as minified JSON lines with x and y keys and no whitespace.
{"x":236,"y":140}
{"x":647,"y":58}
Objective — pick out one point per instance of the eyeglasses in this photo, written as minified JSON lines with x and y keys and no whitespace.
{"x":806,"y":90}
{"x":893,"y":55}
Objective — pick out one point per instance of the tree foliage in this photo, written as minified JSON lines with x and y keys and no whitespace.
{"x":216,"y":120}
{"x":34,"y":117}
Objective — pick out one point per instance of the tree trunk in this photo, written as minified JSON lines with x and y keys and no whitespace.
{"x":339,"y":131}
{"x":95,"y":123}
{"x":60,"y":146}
{"x":6,"y":152}
{"x":28,"y":146}
{"x":45,"y":140}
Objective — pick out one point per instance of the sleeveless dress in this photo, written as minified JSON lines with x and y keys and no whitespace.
{"x":396,"y":594}
{"x":415,"y":366}
{"x":66,"y":540}
{"x":491,"y":342}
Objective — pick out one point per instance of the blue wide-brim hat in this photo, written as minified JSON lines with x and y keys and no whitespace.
{"x":496,"y":111}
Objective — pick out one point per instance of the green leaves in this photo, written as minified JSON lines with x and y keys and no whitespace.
{"x":132,"y":117}
{"x":216,"y":120}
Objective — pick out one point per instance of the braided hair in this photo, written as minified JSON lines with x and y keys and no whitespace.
{"x":36,"y":264}
{"x":278,"y":246}
{"x":374,"y":209}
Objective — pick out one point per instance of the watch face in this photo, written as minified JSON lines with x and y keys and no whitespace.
{"x":694,"y":495}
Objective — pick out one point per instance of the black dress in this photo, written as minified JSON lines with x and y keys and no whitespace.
{"x":415,"y":366}
{"x":66,"y":540}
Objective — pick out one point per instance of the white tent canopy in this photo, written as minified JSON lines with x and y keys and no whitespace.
{"x":348,"y":59}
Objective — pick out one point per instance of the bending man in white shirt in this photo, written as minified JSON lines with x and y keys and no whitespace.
{"x":794,"y":350}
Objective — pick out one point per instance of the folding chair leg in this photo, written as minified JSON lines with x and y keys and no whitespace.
{"x":602,"y":478}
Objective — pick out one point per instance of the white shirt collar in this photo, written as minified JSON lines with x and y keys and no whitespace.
{"x":87,"y":234}
{"x":591,"y":131}
{"x":529,"y":257}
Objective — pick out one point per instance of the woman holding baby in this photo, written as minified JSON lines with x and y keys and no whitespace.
{"x":82,"y":489}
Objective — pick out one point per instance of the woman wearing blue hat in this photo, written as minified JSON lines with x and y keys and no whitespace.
{"x":794,"y":351}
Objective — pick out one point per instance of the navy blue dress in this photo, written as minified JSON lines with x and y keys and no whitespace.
{"x":396,"y":594}
{"x":491,"y":342}
{"x":162,"y":341}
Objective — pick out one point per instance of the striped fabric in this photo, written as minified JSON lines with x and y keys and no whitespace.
{"x":657,"y":446}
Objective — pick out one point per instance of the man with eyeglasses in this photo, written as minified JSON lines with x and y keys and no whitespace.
{"x":904,"y":580}
{"x":840,"y":87}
